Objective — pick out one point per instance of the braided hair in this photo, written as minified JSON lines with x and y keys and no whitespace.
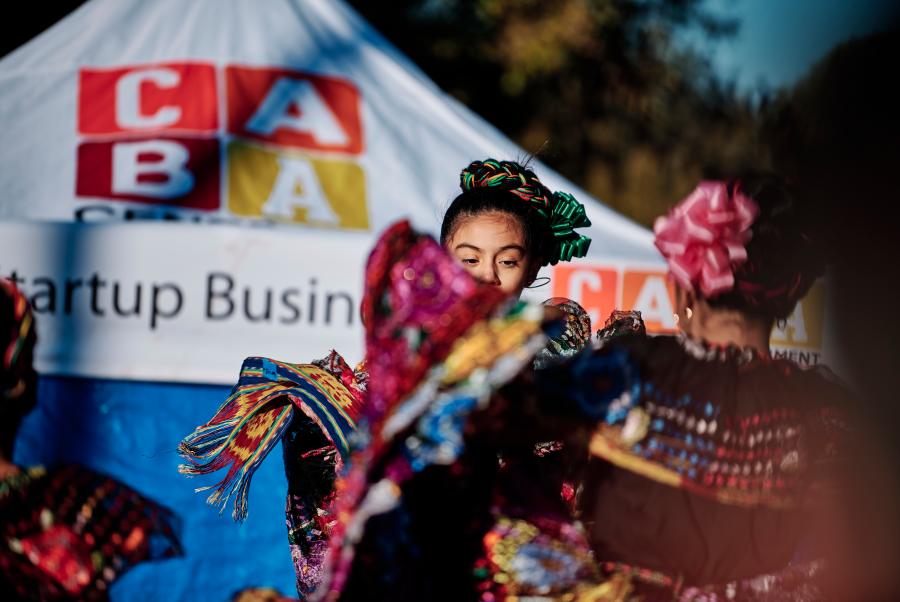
{"x":548,"y":219}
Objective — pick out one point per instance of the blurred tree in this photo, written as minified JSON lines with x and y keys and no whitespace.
{"x":836,"y":133}
{"x":600,"y":89}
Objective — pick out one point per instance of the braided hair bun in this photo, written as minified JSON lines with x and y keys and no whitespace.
{"x":548,"y":218}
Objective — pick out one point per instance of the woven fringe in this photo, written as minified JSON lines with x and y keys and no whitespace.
{"x":238,"y":437}
{"x":254,"y":418}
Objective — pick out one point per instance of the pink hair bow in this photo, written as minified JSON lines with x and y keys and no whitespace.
{"x":704,"y":237}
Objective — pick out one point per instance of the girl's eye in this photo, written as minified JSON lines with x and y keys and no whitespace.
{"x":510,"y":263}
{"x":469,"y":261}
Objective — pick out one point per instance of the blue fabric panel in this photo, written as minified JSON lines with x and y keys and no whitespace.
{"x":131,"y":430}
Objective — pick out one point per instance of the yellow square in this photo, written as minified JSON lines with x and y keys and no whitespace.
{"x":296,"y":187}
{"x":803,"y":329}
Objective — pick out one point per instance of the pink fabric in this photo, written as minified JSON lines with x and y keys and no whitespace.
{"x":704,"y":237}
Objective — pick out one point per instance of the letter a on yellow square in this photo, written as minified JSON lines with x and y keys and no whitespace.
{"x":803,"y":328}
{"x":296,"y":187}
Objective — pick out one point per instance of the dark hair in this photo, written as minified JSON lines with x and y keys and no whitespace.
{"x":784,"y":257}
{"x":485,"y":200}
{"x":549,"y":219}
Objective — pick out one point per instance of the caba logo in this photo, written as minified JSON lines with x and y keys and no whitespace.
{"x":247,"y":142}
{"x":601,"y":289}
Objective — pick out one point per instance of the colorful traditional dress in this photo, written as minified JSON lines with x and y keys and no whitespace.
{"x":665,"y":469}
{"x":67,"y":532}
{"x":313,"y":409}
{"x":695,"y":469}
{"x":705,"y":472}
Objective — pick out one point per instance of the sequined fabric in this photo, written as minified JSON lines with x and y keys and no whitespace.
{"x":544,"y":557}
{"x":705,"y":468}
{"x":438,"y":344}
{"x":425,"y":435}
{"x":418,"y":302}
{"x":573,"y":336}
{"x":69,"y":532}
{"x":744,"y":445}
{"x":620,"y":323}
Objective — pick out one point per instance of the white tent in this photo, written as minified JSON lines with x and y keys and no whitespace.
{"x":188,"y":183}
{"x":277,"y":139}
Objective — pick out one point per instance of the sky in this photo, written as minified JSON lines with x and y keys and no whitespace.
{"x":779,"y":40}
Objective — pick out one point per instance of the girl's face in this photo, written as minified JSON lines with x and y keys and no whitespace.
{"x":491,"y":246}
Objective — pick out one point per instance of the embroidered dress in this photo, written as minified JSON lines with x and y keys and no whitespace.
{"x":704,"y":464}
{"x":69,"y":532}
{"x":703,"y":470}
{"x":703,"y":476}
{"x":314,"y":409}
{"x":708,"y":468}
{"x":645,"y":468}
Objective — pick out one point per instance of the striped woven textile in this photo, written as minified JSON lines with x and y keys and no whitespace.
{"x":251,"y":422}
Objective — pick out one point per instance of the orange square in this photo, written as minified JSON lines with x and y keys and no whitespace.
{"x":294,"y":109}
{"x":651,"y":293}
{"x":594,"y":287}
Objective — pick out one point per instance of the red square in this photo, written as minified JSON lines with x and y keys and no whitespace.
{"x":164,"y":97}
{"x":594,"y":287}
{"x":291,"y":108}
{"x":651,"y":293}
{"x":180,"y":172}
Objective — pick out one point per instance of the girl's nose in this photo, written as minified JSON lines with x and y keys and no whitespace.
{"x":488,"y":275}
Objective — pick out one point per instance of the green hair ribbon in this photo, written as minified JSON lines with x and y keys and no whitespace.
{"x":567,"y":214}
{"x":562,"y":212}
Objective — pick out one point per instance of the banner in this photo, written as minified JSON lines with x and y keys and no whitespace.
{"x":186,"y":303}
{"x":182,"y":302}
